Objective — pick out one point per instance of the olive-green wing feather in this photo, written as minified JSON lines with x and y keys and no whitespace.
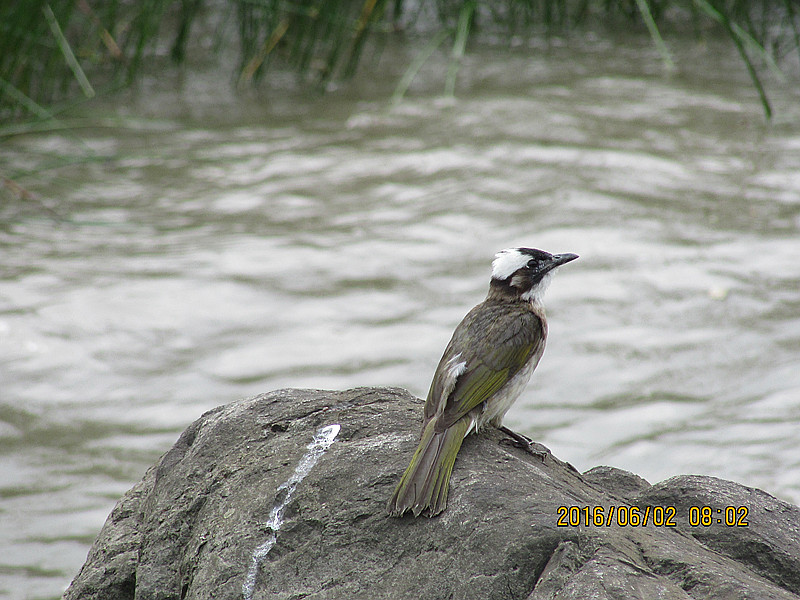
{"x":494,"y":344}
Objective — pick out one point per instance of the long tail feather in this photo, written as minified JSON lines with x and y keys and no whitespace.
{"x":423,"y":487}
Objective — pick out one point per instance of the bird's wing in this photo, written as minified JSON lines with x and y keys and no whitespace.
{"x":488,"y":348}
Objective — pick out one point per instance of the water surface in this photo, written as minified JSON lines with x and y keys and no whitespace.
{"x":235,"y":245}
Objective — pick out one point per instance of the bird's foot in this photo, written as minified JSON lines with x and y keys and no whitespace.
{"x":524,"y":442}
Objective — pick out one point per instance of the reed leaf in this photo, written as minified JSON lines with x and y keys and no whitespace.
{"x":416,"y":65}
{"x":69,"y":56}
{"x":20,"y":98}
{"x":740,"y":38}
{"x":54,"y":49}
{"x":460,"y":43}
{"x":649,"y":21}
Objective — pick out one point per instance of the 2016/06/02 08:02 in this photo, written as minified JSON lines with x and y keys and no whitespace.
{"x":658,"y":516}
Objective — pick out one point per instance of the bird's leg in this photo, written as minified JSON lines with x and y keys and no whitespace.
{"x":524,"y":442}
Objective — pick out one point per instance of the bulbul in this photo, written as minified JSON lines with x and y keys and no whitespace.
{"x":484,"y":368}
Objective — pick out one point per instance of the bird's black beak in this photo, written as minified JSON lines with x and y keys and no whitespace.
{"x":559,"y":259}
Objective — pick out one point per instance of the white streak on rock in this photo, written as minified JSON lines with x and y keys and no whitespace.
{"x":321,"y":442}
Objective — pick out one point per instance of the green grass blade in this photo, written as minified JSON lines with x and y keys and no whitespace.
{"x":63,"y":45}
{"x":745,"y":38}
{"x":23,"y":100}
{"x":460,"y":43}
{"x":416,"y":65}
{"x":793,"y":23}
{"x":738,"y":36}
{"x":647,"y":16}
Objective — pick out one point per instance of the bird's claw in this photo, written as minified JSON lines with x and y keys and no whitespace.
{"x":525,"y":443}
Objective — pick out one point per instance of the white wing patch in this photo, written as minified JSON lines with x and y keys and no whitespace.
{"x":452,"y":371}
{"x":507,"y":262}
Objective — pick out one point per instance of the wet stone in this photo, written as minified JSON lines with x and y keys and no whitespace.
{"x":241,"y":509}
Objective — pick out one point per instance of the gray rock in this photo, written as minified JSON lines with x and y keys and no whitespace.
{"x":239,"y":508}
{"x":767,"y":543}
{"x":617,"y":481}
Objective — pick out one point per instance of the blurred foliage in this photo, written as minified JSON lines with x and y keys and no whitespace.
{"x":54,"y":51}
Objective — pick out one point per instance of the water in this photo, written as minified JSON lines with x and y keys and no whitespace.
{"x":233,"y":246}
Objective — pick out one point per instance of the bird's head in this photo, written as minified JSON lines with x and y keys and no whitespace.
{"x":525,"y":272}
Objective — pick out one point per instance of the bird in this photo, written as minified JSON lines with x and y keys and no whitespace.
{"x":485,"y":366}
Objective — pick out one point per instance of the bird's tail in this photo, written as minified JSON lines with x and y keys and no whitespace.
{"x":423,"y":487}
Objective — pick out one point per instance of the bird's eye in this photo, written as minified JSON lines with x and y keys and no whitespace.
{"x":531,"y":263}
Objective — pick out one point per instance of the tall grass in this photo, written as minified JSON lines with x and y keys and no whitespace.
{"x":53,"y":51}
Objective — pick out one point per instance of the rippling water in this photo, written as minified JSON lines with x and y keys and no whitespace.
{"x":234,"y":246}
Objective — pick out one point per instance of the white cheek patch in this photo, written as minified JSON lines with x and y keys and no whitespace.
{"x":507,"y":262}
{"x":536,"y":293}
{"x":519,"y":281}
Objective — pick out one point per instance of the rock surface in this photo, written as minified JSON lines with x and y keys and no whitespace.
{"x":247,"y":505}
